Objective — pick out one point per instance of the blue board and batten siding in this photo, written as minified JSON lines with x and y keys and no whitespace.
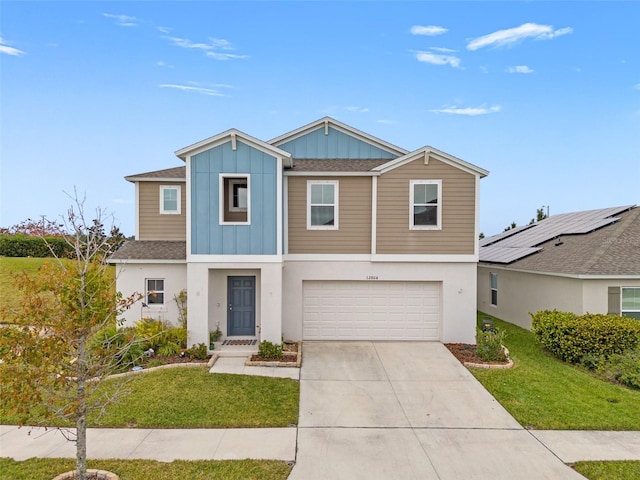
{"x":208,"y":237}
{"x":336,"y":144}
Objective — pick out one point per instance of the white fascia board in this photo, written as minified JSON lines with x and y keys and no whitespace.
{"x":135,"y":261}
{"x":577,"y":276}
{"x":439,"y":155}
{"x":156,"y":179}
{"x":227,"y":136}
{"x":228,"y":259}
{"x":341,"y":127}
{"x":332,"y":173}
{"x":397,"y":258}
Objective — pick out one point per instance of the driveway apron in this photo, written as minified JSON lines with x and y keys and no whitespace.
{"x":381,"y":410}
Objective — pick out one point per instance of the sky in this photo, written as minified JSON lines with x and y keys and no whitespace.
{"x":543,"y":94}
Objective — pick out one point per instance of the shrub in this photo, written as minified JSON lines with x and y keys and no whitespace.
{"x":28,"y":246}
{"x":270,"y":350}
{"x":489,"y":345}
{"x":572,"y":338}
{"x":168,"y":349}
{"x":122,"y":345}
{"x":623,"y":368}
{"x":198,"y":352}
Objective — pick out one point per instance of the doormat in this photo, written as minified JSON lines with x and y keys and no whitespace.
{"x":239,"y":342}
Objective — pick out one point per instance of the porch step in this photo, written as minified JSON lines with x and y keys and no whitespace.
{"x":235,"y":350}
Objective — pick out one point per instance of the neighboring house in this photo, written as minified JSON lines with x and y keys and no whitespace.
{"x":583,"y":262}
{"x":323,"y":233}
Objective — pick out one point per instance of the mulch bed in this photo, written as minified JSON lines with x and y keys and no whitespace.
{"x":467,"y":353}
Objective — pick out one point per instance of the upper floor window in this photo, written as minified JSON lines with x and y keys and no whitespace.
{"x":425,"y":205}
{"x":234,"y":199}
{"x":155,"y":292}
{"x":630,"y":302}
{"x":170,"y":199}
{"x":494,"y":289}
{"x":322,"y":204}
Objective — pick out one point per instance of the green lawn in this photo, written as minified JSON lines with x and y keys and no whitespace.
{"x":47,"y":468}
{"x":542,"y":392}
{"x":624,"y":470}
{"x":10,"y":266}
{"x":191,"y":397}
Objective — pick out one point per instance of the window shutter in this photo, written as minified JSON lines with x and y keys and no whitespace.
{"x":614,"y":301}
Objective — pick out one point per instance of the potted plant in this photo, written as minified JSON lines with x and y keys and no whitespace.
{"x":214,"y":337}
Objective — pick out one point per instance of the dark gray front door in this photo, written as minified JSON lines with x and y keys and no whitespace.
{"x":241,"y":316}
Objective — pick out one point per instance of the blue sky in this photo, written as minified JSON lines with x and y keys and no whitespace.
{"x":545,"y":95}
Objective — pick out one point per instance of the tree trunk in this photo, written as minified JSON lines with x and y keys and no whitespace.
{"x":81,"y":444}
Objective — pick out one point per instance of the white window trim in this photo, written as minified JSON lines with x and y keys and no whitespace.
{"x":222,"y":178}
{"x":147,"y":294}
{"x":491,"y":289}
{"x":335,"y":225}
{"x":412,"y":184}
{"x":179,"y":200}
{"x":622,"y":310}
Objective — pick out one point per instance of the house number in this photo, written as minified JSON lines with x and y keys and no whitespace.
{"x":372,"y":277}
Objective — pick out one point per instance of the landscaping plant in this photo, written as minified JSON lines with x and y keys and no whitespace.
{"x":52,"y":361}
{"x":489,"y":345}
{"x":270,"y":351}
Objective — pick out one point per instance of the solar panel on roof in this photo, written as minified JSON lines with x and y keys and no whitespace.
{"x":508,"y":246}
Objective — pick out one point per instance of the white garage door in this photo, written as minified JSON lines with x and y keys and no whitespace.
{"x":353,"y":310}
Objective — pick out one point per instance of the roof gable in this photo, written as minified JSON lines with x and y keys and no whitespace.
{"x":233,"y":135}
{"x":329,"y":139}
{"x":428,"y":152}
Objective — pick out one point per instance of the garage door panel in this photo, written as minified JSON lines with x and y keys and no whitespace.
{"x":356,"y":310}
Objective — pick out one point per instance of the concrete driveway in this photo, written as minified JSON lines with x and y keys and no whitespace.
{"x":407,"y":410}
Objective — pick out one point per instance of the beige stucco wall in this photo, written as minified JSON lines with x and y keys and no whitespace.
{"x":520,"y":293}
{"x":458,"y":282}
{"x":457,"y":235}
{"x":155,"y":226}
{"x":131,"y":278}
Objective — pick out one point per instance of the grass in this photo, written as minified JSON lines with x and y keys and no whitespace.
{"x":619,"y":470}
{"x":191,"y":397}
{"x":47,"y":468}
{"x":9,"y":266}
{"x":542,"y":392}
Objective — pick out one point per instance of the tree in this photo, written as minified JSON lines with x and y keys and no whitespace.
{"x":540,"y":215}
{"x":52,"y":360}
{"x":511,"y":227}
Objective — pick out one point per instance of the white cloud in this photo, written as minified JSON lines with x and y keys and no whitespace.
{"x":210,"y":49}
{"x":510,"y":36}
{"x":429,"y":30}
{"x":212,"y":92}
{"x":122,"y":20}
{"x":162,"y":64}
{"x":438,"y":59}
{"x":7,"y":50}
{"x":442,"y":49}
{"x":352,"y":108}
{"x":385,"y":122}
{"x":469,"y":111}
{"x":520,"y":69}
{"x":163,"y":29}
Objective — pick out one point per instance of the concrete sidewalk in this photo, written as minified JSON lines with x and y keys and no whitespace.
{"x":153,"y":444}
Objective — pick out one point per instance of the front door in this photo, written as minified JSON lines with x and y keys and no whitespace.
{"x":241,"y":315}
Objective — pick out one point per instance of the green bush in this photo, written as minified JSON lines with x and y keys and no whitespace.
{"x":573,"y":338}
{"x":27,"y":246}
{"x":168,"y":349}
{"x":121,"y":345}
{"x":623,"y":368}
{"x":489,"y":345}
{"x":197,"y":352}
{"x":270,"y":350}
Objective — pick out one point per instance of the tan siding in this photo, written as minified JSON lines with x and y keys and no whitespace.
{"x":458,"y":215}
{"x":153,"y":225}
{"x":354,"y":218}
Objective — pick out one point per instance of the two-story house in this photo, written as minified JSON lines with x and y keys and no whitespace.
{"x":323,"y":233}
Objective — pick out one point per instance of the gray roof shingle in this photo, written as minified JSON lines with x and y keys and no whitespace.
{"x":151,"y":250}
{"x":175,"y":172}
{"x":610,"y":249}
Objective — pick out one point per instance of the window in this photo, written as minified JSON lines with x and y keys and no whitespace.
{"x":630,"y":302}
{"x":235,"y":199}
{"x":155,"y":292}
{"x":494,"y":289}
{"x":170,"y":199}
{"x":425,"y":204}
{"x":322,"y":205}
